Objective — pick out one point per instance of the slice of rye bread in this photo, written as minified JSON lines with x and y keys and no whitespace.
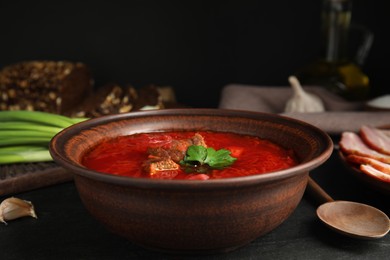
{"x":50,"y":86}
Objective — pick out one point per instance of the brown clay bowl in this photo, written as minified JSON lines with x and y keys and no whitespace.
{"x":190,"y":216}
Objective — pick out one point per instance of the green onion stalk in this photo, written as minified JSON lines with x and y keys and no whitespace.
{"x":25,"y":135}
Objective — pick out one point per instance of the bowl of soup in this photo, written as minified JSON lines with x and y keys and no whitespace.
{"x":191,"y":180}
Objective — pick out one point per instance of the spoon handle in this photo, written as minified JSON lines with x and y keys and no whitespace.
{"x":317,"y":192}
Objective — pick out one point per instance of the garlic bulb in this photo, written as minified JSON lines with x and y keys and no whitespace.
{"x":302,"y":101}
{"x":13,"y":208}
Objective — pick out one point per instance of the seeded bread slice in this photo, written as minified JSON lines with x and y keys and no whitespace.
{"x":50,"y":86}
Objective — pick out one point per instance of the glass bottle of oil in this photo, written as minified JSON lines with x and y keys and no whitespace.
{"x":335,"y":70}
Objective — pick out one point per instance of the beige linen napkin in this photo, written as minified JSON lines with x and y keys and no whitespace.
{"x":339,"y":116}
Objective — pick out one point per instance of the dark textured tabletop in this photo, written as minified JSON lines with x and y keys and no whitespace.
{"x":65,"y":230}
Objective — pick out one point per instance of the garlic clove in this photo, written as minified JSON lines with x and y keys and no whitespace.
{"x":302,"y":101}
{"x":13,"y":208}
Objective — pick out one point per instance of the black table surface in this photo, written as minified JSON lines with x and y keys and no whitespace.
{"x":65,"y":230}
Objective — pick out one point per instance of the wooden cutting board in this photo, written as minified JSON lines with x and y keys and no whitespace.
{"x":16,"y":178}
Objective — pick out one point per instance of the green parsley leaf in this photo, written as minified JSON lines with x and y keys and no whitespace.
{"x":197,"y":155}
{"x":219,"y":159}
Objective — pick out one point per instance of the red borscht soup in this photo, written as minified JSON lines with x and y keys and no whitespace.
{"x":188,"y":155}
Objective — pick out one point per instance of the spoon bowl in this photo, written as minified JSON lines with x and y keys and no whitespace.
{"x":354,"y":219}
{"x":349,"y":218}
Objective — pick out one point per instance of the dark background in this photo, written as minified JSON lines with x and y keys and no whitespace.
{"x":195,"y":46}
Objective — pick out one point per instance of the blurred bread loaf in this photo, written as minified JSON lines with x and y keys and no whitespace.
{"x":114,"y":99}
{"x":50,"y":86}
{"x":67,"y":88}
{"x":108,"y":99}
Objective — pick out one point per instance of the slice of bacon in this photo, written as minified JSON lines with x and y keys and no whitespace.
{"x":380,"y":166}
{"x":351,"y":143}
{"x":371,"y":171}
{"x":376,"y":139}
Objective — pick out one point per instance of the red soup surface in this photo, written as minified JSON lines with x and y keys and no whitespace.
{"x":126,"y":155}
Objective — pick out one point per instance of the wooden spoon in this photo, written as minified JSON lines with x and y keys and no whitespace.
{"x":353,"y":219}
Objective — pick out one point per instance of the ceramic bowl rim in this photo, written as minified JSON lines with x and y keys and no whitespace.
{"x":75,"y":169}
